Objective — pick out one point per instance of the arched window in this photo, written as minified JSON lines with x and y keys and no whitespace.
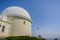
{"x":4,"y":18}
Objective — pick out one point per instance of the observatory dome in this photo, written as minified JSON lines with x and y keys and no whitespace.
{"x":16,"y":11}
{"x":15,"y":21}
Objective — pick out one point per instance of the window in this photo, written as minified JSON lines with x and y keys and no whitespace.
{"x":3,"y":28}
{"x":24,"y":22}
{"x":0,"y":25}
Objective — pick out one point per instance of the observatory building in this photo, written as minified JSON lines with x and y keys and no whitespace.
{"x":15,"y":21}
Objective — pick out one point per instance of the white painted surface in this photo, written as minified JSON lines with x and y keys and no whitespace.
{"x":16,"y":11}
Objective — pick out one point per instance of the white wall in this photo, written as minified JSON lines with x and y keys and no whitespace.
{"x":15,"y":27}
{"x":7,"y":29}
{"x":21,"y":29}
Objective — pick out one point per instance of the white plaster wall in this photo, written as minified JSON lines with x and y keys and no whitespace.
{"x":7,"y":29}
{"x":15,"y":27}
{"x":21,"y":29}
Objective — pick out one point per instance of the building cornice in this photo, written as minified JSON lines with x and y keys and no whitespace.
{"x":23,"y":17}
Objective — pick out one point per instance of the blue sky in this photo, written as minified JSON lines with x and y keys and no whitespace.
{"x":45,"y":14}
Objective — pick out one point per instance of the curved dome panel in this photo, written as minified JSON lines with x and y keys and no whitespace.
{"x":16,"y":11}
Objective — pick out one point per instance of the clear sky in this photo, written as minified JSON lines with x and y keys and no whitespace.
{"x":45,"y":15}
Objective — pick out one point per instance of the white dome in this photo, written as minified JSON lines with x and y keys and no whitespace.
{"x":16,"y":11}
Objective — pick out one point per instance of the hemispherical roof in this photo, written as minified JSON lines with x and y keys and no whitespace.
{"x":16,"y":11}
